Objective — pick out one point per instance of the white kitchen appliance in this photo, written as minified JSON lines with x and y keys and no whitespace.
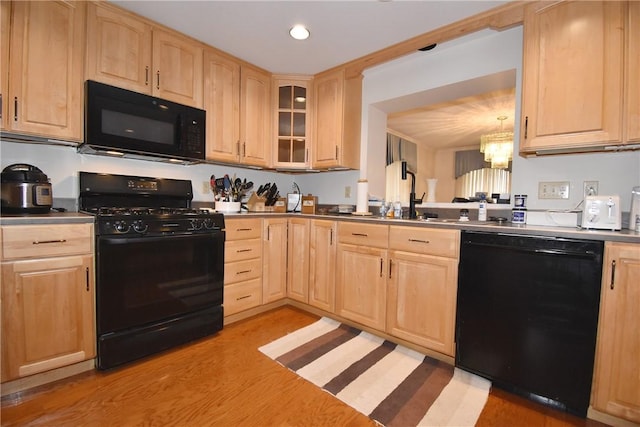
{"x":602,"y":213}
{"x":635,"y":208}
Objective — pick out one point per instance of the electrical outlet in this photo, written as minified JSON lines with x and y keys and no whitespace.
{"x":347,"y":191}
{"x":553,"y":190}
{"x":206,"y":187}
{"x":590,"y":188}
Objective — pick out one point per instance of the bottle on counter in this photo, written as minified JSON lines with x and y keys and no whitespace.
{"x":482,"y":208}
{"x":397,"y":210}
{"x":383,"y":209}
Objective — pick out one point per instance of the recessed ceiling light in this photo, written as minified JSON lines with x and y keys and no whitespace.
{"x":299,"y":32}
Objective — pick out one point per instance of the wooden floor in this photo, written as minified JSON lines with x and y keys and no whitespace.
{"x":224,"y":381}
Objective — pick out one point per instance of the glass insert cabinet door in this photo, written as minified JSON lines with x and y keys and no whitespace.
{"x":292,"y":123}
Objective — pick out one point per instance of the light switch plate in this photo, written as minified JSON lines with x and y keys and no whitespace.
{"x":553,"y":190}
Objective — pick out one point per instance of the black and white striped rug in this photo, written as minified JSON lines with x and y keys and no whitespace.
{"x":392,"y":384}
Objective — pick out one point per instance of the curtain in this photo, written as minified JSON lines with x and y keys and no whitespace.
{"x":399,"y":149}
{"x":485,"y":180}
{"x":471,"y":160}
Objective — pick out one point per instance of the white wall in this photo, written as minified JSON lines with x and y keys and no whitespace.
{"x":61,"y":164}
{"x":471,"y":57}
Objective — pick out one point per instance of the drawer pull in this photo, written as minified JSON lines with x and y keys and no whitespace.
{"x":419,"y":241}
{"x":44,"y":242}
{"x":360,"y":234}
{"x":244,"y":229}
{"x":243,"y":250}
{"x":244,"y":297}
{"x":243,"y":272}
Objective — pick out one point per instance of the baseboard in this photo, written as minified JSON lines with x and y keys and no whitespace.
{"x":47,"y":377}
{"x":609,"y":419}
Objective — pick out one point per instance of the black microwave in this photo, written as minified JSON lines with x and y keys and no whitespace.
{"x":120,"y":122}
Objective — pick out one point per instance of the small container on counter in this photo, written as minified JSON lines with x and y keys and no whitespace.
{"x":519,"y":216}
{"x":520,"y":201}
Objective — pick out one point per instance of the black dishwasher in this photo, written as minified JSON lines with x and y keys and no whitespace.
{"x":527,"y":314}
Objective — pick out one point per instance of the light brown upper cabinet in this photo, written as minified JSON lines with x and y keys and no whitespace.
{"x":5,"y":20}
{"x":42,"y":86}
{"x":236,"y":97}
{"x":255,"y":116}
{"x":338,"y":102}
{"x":292,"y":119}
{"x":632,"y":76}
{"x":129,"y":52}
{"x":222,"y":102}
{"x":575,"y":96}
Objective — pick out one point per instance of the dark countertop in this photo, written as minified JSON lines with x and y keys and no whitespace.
{"x":49,"y":218}
{"x":623,"y":235}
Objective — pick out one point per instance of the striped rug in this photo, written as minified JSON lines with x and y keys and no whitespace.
{"x":393,"y":385}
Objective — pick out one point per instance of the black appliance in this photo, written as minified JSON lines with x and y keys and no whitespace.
{"x":527,"y":314}
{"x":159,"y":265}
{"x":25,"y":189}
{"x":120,"y":122}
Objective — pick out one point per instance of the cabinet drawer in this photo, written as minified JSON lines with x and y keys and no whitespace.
{"x":242,"y":296}
{"x":242,"y":270}
{"x":431,"y":241}
{"x":25,"y":241}
{"x":249,"y":228}
{"x":373,"y":235}
{"x":238,"y":250}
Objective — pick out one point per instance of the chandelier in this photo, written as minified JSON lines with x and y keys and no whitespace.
{"x":497,"y":147}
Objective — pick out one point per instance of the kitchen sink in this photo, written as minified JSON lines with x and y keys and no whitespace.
{"x":437,"y":220}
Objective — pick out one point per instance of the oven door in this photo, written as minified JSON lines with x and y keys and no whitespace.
{"x":143,"y":280}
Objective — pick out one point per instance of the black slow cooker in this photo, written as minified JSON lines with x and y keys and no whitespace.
{"x":25,"y":190}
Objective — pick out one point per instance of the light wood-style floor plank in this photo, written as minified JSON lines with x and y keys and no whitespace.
{"x":223,"y":381}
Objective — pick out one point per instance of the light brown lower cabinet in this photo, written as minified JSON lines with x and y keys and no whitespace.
{"x":322,"y":264}
{"x":422,"y":286}
{"x":298,"y":259}
{"x":48,"y":317}
{"x":274,"y":249}
{"x":421,"y":300}
{"x":616,"y":387}
{"x":242,"y":265}
{"x":361,"y":281}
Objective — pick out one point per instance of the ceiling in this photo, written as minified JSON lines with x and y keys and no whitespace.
{"x":341,"y":31}
{"x":456,"y":123}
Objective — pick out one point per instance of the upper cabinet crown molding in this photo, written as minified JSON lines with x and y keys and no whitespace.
{"x":130,"y":52}
{"x":573,"y":89}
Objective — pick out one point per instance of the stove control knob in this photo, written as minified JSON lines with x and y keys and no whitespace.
{"x":121,"y":226}
{"x":196,"y":224}
{"x":140,"y":227}
{"x":208,"y":223}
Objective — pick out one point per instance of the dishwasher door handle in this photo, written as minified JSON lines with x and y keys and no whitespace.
{"x":560,"y":252}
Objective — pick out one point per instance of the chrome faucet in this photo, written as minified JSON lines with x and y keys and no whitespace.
{"x":412,"y":195}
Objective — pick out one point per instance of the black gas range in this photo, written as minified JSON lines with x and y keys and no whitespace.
{"x":143,"y":221}
{"x":159,"y":265}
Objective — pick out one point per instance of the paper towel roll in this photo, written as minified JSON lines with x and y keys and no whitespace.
{"x":362,"y":204}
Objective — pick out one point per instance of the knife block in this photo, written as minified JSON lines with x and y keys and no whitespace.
{"x":256,"y":203}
